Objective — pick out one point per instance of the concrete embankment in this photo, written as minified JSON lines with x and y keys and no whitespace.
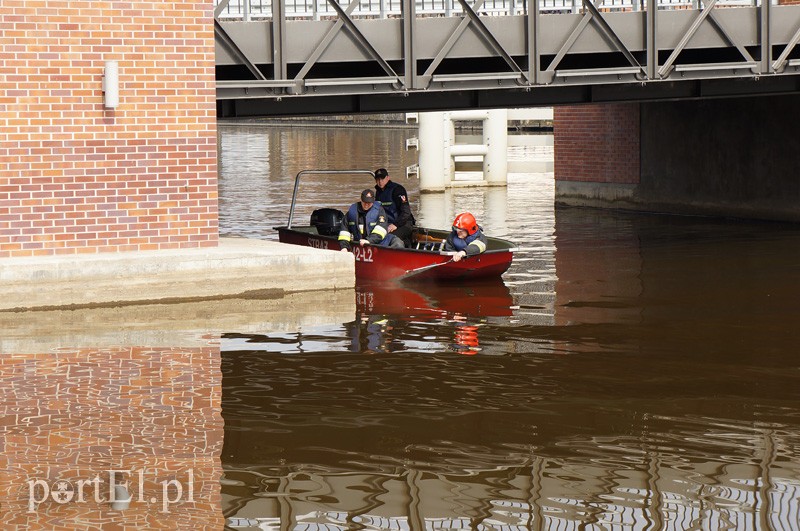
{"x":236,"y":267}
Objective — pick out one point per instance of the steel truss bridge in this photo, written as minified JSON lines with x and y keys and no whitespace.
{"x":294,"y":57}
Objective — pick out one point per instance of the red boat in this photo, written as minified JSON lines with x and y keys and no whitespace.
{"x":425,"y":261}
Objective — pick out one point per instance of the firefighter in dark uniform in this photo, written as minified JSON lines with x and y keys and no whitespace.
{"x":394,"y":199}
{"x":366,"y":223}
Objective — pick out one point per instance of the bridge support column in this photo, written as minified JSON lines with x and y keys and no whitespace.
{"x":735,"y":157}
{"x":495,"y":137}
{"x":434,"y":147}
{"x":438,"y":149}
{"x":596,"y":151}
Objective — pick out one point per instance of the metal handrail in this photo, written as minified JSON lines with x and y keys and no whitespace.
{"x":316,"y":9}
{"x":318,"y":172}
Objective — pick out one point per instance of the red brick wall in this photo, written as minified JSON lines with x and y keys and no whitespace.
{"x":78,"y":178}
{"x":597,"y":143}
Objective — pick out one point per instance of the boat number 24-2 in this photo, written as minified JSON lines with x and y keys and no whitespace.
{"x":362,"y":254}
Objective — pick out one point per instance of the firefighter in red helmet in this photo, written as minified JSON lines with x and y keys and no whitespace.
{"x":466,"y":238}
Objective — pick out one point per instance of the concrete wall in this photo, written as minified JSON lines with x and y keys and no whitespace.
{"x":727,"y":157}
{"x":76,"y":177}
{"x":735,"y":157}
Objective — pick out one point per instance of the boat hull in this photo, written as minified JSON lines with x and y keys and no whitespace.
{"x":374,"y":262}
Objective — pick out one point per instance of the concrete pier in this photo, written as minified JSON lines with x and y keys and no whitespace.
{"x":438,"y":150}
{"x":236,"y":267}
{"x":734,"y":157}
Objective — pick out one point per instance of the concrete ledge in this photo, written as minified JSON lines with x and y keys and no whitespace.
{"x":237,"y":266}
{"x":578,"y":193}
{"x":633,"y":197}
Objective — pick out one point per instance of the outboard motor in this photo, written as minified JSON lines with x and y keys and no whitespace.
{"x":327,"y":221}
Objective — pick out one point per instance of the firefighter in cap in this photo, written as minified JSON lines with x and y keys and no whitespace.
{"x":466,"y":238}
{"x":394,"y":199}
{"x":366,"y":223}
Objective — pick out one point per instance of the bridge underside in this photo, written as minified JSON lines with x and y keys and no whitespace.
{"x":504,"y":98}
{"x":408,"y":63}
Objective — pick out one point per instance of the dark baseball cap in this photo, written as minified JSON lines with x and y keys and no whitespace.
{"x":380,"y":173}
{"x":368,"y":196}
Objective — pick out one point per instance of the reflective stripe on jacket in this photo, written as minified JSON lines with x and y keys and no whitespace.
{"x":472,"y":244}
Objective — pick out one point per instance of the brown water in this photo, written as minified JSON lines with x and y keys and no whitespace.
{"x":631,"y":371}
{"x":628,"y":372}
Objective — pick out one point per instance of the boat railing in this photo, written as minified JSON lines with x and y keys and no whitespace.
{"x":429,"y":246}
{"x":318,"y":172}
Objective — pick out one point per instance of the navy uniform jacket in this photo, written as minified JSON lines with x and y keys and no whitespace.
{"x":375,"y":226}
{"x":394,"y":200}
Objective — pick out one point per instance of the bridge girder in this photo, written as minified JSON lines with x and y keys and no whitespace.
{"x":348,"y":65}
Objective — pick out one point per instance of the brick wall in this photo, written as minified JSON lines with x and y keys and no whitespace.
{"x":78,"y":178}
{"x":74,"y":415}
{"x":597,"y":143}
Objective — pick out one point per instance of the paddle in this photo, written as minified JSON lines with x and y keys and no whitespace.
{"x":417,"y":271}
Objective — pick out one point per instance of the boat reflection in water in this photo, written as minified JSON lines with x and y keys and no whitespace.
{"x":382,"y":307}
{"x":379,"y":424}
{"x":353,"y":433}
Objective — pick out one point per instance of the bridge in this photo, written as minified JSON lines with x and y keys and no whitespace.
{"x":314,"y":56}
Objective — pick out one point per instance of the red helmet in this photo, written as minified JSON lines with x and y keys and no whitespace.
{"x":466,"y":221}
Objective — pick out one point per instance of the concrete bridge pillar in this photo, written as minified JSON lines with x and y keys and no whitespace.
{"x":438,"y":148}
{"x":495,"y":138}
{"x":434,"y":160}
{"x":735,"y":157}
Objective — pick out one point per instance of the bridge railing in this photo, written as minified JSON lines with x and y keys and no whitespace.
{"x":321,"y":9}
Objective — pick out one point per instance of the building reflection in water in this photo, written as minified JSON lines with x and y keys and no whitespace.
{"x":133,"y":388}
{"x":72,"y":415}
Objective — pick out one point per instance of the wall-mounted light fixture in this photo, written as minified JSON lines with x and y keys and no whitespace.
{"x":111,"y":85}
